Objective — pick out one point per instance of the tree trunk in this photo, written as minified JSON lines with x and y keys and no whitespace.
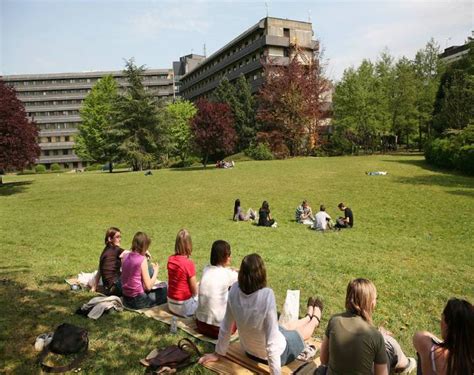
{"x":111,"y":167}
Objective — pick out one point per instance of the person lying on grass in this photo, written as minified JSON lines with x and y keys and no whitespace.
{"x":137,"y":284}
{"x":239,"y":214}
{"x":353,"y":345}
{"x":251,"y":305}
{"x":216,"y":280}
{"x":110,"y":263}
{"x":454,"y":354}
{"x":182,"y":281}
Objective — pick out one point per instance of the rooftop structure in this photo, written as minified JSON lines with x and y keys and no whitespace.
{"x":455,"y":53}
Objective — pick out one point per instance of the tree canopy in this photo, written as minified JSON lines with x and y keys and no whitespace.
{"x":18,"y":136}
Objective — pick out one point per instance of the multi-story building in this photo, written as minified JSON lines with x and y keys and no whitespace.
{"x":53,"y":101}
{"x":269,"y":39}
{"x":455,"y":53}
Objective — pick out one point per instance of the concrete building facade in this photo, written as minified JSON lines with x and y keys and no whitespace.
{"x":53,"y":101}
{"x":455,"y":53}
{"x":269,"y":39}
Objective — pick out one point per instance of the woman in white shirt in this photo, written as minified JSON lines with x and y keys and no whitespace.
{"x":216,"y":280}
{"x":252,"y":306}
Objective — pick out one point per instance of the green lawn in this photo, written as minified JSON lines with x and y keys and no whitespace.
{"x":413,"y":237}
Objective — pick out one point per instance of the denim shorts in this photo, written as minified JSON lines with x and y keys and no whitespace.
{"x":294,"y":346}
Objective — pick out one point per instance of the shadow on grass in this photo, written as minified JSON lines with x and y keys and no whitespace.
{"x":195,"y":168}
{"x":117,"y":340}
{"x":10,"y":188}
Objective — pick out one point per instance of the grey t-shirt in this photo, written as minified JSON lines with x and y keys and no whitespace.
{"x":354,"y":345}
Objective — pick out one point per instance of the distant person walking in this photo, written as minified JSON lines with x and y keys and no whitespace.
{"x":347,"y":221}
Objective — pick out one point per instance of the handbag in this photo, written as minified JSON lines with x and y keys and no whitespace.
{"x":173,"y":357}
{"x":67,"y":339}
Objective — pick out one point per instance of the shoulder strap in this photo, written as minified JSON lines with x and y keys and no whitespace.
{"x":56,"y":369}
{"x":185,"y":342}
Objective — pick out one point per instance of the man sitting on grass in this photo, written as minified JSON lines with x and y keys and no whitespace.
{"x":304,"y":214}
{"x":348,"y":220}
{"x":322,"y":220}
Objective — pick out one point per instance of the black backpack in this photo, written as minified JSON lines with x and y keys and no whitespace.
{"x":67,"y":339}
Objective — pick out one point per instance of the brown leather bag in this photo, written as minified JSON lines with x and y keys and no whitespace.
{"x":174,"y":357}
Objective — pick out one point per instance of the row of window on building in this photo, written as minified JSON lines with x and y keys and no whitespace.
{"x":53,"y":113}
{"x":57,"y":152}
{"x":58,"y":138}
{"x":59,"y":125}
{"x":81,"y":92}
{"x":68,"y":81}
{"x":44,"y":103}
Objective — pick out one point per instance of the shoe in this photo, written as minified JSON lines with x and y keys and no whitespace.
{"x":410,"y":367}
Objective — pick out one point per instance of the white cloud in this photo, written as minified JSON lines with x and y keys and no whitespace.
{"x":189,"y":16}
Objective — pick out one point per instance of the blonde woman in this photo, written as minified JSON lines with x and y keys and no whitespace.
{"x":353,"y":345}
{"x":182,"y":281}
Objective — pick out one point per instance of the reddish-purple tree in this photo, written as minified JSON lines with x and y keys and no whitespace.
{"x":18,"y":136}
{"x":291,"y":104}
{"x":213,"y":129}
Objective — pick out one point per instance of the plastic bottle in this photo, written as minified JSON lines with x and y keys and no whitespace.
{"x":174,"y":325}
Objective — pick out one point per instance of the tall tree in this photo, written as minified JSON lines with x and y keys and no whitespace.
{"x":93,"y":141}
{"x":177,"y":118}
{"x":290,"y":104}
{"x":428,"y":69}
{"x":136,"y":128}
{"x":454,"y":107}
{"x":18,"y":135}
{"x":404,"y":111}
{"x":384,"y":84}
{"x":245,"y":115}
{"x":213,"y":130}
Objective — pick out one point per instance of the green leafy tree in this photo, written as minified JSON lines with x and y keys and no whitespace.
{"x":428,"y":69}
{"x":136,"y":129}
{"x":93,"y":141}
{"x":177,"y":118}
{"x":404,"y":105}
{"x":385,"y":80}
{"x":454,"y":107}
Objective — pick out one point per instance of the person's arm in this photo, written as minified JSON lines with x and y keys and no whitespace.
{"x":95,"y":282}
{"x":422,"y":341}
{"x":193,"y":286}
{"x":271,"y":337}
{"x":380,"y":369}
{"x":324,"y":354}
{"x":147,"y":281}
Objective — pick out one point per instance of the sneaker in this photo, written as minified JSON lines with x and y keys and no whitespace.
{"x":410,"y":367}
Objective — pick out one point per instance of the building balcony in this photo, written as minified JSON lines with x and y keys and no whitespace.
{"x":53,"y":119}
{"x":57,"y":159}
{"x":56,"y":145}
{"x":52,"y":107}
{"x":56,"y":133}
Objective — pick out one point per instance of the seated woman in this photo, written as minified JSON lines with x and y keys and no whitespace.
{"x":110,"y":263}
{"x":352,"y":345}
{"x":182,"y":282}
{"x":455,"y":353}
{"x":264,"y":216}
{"x":239,"y":215}
{"x":251,"y":305}
{"x":304,"y":214}
{"x":137,"y":285}
{"x":216,"y":280}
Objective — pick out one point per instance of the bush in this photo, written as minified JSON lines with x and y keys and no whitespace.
{"x":465,"y":160}
{"x":40,"y":168}
{"x":26,"y":172}
{"x":55,"y":167}
{"x":93,"y":167}
{"x":259,"y":152}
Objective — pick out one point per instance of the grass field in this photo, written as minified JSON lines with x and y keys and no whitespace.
{"x":413,"y":237}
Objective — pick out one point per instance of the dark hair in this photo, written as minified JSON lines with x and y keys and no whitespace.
{"x":183,"y":244}
{"x":109,"y":234}
{"x":252,"y":274}
{"x":322,"y":208}
{"x":265,"y":206}
{"x":340,"y":205}
{"x":236,"y":207}
{"x":220,"y":252}
{"x":459,"y":318}
{"x":140,"y":243}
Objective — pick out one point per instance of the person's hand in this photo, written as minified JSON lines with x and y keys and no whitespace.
{"x":93,"y":288}
{"x":155,"y":267}
{"x":211,"y":357}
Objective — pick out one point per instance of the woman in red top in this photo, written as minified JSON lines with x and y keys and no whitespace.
{"x":182,"y":282}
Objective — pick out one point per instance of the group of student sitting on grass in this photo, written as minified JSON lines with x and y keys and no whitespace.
{"x":303,"y":215}
{"x":227,"y":300}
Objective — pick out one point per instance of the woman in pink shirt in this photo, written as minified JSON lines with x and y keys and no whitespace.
{"x":182,"y":282}
{"x":137,"y":285}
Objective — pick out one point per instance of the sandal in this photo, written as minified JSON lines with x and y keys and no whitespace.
{"x":319,"y":304}
{"x":310,"y":303}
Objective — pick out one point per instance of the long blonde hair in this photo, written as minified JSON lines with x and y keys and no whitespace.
{"x":183,"y":244}
{"x":360,"y":298}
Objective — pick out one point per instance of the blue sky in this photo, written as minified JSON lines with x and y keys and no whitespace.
{"x":39,"y":36}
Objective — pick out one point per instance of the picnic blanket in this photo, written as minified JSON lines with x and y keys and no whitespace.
{"x":237,"y":362}
{"x":188,"y":325}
